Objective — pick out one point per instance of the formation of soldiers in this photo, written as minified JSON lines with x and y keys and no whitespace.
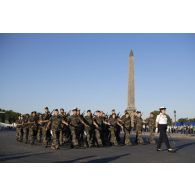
{"x":97,"y":129}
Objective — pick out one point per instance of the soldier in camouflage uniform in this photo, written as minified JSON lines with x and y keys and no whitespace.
{"x":33,"y":125}
{"x":74,"y":122}
{"x":26,"y":128}
{"x":99,"y":127}
{"x":56,"y":122}
{"x":39,"y":129}
{"x":63,"y":127}
{"x":89,"y":130}
{"x":81,"y":128}
{"x":113,"y":122}
{"x":46,"y":132}
{"x":19,"y":129}
{"x":105,"y":133}
{"x":138,"y":128}
{"x":126,"y":122}
{"x":133,"y":116}
{"x":151,"y":122}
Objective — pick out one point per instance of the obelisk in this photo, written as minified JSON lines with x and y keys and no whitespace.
{"x":131,"y":84}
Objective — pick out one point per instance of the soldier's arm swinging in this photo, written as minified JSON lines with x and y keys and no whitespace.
{"x":64,"y":122}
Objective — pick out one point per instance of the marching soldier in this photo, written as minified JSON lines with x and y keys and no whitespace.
{"x":113,"y":123}
{"x":105,"y":132}
{"x":89,"y":129}
{"x":56,"y":122}
{"x":63,"y":127}
{"x":133,"y":116}
{"x":74,"y":122}
{"x":39,"y":129}
{"x":126,"y":124}
{"x":44,"y":121}
{"x":81,"y":127}
{"x":99,"y":126}
{"x":138,"y":128}
{"x":19,"y":129}
{"x":26,"y":128}
{"x":151,"y":122}
{"x":33,"y":124}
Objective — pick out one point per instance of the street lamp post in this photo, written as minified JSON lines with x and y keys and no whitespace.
{"x":175,"y":116}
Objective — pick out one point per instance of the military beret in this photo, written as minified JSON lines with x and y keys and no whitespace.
{"x":97,"y":111}
{"x":46,"y":108}
{"x":88,"y":110}
{"x":56,"y":110}
{"x":62,"y":109}
{"x":113,"y":110}
{"x":138,"y":112}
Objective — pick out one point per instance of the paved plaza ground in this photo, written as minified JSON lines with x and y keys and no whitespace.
{"x":13,"y":152}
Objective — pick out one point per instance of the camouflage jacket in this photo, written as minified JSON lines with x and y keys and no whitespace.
{"x":138,"y":123}
{"x":151,"y":122}
{"x":74,"y":120}
{"x":113,"y":122}
{"x":99,"y":121}
{"x":89,"y":120}
{"x":126,"y":122}
{"x":56,"y":122}
{"x":19,"y":123}
{"x":33,"y":122}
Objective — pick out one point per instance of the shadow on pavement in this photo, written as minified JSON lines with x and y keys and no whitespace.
{"x":107,"y":160}
{"x":185,"y":145}
{"x":16,"y":156}
{"x":75,"y":160}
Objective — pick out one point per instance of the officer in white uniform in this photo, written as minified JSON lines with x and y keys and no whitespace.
{"x":161,"y":124}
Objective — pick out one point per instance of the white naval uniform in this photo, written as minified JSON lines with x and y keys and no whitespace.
{"x":161,"y":119}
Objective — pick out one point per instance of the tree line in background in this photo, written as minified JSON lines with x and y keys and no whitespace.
{"x":184,"y":120}
{"x":8,"y":116}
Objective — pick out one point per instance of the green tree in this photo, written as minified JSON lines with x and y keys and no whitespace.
{"x":183,"y":120}
{"x":8,"y":115}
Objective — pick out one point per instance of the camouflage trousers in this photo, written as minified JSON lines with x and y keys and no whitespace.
{"x":113,"y":139}
{"x":19,"y":134}
{"x":74,"y":136}
{"x":39,"y":134}
{"x":32,"y":134}
{"x":127,"y":134}
{"x":139,"y":139}
{"x":46,"y":136}
{"x":62,"y":138}
{"x":26,"y":134}
{"x":88,"y":136}
{"x":55,"y":139}
{"x":152,"y":135}
{"x":98,"y":137}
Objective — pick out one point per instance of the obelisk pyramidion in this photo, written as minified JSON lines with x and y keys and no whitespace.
{"x":131,"y":84}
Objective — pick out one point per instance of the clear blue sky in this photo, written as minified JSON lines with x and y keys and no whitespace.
{"x":90,"y":71}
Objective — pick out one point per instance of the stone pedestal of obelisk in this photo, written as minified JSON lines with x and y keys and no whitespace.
{"x":131,"y":84}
